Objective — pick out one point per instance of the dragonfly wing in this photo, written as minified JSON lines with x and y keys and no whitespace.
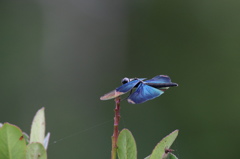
{"x":128,"y":86}
{"x":144,"y":93}
{"x":161,"y":82}
{"x":159,"y":79}
{"x":120,"y":90}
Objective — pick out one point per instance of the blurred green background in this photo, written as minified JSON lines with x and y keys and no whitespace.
{"x":64,"y":55}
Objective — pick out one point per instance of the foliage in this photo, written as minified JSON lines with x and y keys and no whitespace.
{"x":15,"y":144}
{"x":127,"y":146}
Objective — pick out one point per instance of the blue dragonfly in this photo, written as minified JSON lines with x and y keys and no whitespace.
{"x":145,"y":90}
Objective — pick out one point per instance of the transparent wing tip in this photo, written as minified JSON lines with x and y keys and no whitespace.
{"x":111,"y":95}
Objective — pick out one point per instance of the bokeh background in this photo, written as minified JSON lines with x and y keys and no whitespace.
{"x":63,"y":55}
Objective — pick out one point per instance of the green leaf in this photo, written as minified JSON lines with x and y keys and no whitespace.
{"x":165,"y":143}
{"x":38,"y":127}
{"x":12,"y":142}
{"x":36,"y":151}
{"x":171,"y":156}
{"x":126,"y":145}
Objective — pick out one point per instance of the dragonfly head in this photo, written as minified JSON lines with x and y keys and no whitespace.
{"x":125,"y":80}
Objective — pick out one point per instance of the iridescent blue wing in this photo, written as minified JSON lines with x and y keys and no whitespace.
{"x":128,"y":86}
{"x":121,"y":90}
{"x":160,"y":81}
{"x":144,"y":93}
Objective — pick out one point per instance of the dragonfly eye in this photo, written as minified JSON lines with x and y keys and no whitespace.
{"x":125,"y":80}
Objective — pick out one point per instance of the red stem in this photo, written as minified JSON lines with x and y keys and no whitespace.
{"x":115,"y":130}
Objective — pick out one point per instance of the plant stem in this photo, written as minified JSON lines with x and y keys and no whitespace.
{"x":115,"y":129}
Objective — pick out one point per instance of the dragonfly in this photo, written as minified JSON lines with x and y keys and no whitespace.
{"x":144,"y":89}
